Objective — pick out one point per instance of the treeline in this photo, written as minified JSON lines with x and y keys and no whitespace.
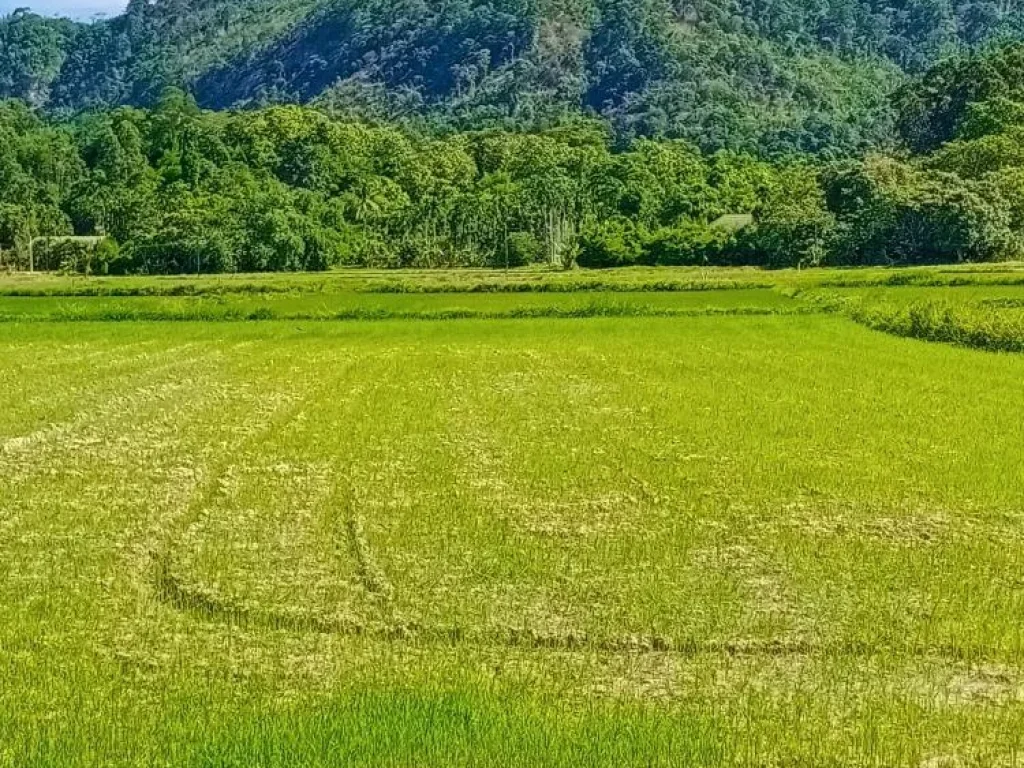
{"x":179,"y":189}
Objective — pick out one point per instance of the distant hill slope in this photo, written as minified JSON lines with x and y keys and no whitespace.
{"x":769,"y":75}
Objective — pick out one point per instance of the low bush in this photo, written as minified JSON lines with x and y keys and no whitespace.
{"x":977,"y":326}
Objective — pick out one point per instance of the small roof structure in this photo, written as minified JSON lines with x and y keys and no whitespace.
{"x":733,"y":222}
{"x":87,"y":239}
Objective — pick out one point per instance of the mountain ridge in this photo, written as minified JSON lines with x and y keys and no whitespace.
{"x":769,"y":76}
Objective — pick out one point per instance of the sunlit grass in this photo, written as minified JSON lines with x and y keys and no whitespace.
{"x":697,"y":540}
{"x":523,"y":280}
{"x":349,"y":305}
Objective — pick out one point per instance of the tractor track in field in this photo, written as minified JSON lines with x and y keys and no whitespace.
{"x":174,"y":589}
{"x":206,"y":604}
{"x":160,"y":383}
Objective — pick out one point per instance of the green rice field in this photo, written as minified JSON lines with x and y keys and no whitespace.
{"x":638,"y":518}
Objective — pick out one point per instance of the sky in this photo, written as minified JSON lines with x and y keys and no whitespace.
{"x":77,"y":9}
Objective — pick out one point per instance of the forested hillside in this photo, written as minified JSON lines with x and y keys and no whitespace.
{"x":766,"y":76}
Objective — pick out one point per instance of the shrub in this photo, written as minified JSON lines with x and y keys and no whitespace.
{"x":616,"y":242}
{"x":690,"y":244}
{"x":525,"y":248}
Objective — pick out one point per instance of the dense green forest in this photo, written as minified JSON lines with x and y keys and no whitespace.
{"x":765,"y":76}
{"x":511,"y":132}
{"x":177,"y":188}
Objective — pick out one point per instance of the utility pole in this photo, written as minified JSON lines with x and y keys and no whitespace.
{"x":32,"y":251}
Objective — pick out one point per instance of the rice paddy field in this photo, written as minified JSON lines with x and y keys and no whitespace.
{"x":638,"y":518}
